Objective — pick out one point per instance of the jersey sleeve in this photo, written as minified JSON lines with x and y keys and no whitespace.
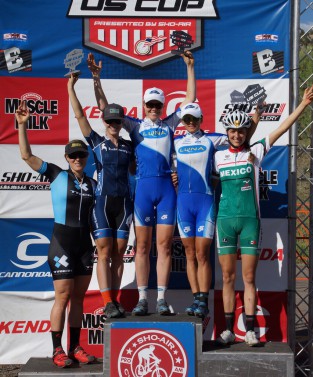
{"x":173,"y":120}
{"x":51,"y":171}
{"x":260,"y":149}
{"x":130,"y":124}
{"x":218,"y":139}
{"x":94,"y":139}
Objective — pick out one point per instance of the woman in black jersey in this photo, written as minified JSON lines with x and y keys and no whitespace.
{"x":70,"y":254}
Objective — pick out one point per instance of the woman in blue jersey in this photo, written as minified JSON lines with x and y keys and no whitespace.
{"x":70,"y":254}
{"x":112,"y":214}
{"x":155,"y":196}
{"x":195,"y":201}
{"x":239,"y":216}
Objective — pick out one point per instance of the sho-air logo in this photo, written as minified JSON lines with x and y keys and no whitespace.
{"x":152,"y":353}
{"x":135,"y":38}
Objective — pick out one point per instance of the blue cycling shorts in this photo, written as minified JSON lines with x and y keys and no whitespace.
{"x":155,"y":201}
{"x":195,"y":215}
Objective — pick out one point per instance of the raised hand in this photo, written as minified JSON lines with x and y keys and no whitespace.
{"x":93,"y":67}
{"x":22,"y":113}
{"x":188,"y":58}
{"x":308,"y":95}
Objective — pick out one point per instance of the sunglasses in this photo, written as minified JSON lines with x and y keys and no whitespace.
{"x":75,"y":155}
{"x":189,"y":118}
{"x":116,"y":121}
{"x":156,"y":105}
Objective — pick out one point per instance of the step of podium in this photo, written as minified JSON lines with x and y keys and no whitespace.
{"x":180,"y":335}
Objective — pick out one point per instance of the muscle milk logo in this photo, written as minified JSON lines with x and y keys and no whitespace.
{"x":138,"y":39}
{"x":152,"y":353}
{"x":93,"y":323}
{"x":13,"y":180}
{"x":247,"y":101}
{"x":41,"y":110}
{"x":268,"y":178}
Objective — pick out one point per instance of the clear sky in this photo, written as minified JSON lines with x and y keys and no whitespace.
{"x":306,"y":18}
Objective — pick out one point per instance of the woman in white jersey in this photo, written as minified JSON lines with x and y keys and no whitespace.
{"x":239,"y":215}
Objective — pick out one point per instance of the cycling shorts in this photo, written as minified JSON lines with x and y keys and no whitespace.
{"x":229,"y":230}
{"x":195,"y":215}
{"x":112,"y":217}
{"x":70,"y":252}
{"x":155,"y":201}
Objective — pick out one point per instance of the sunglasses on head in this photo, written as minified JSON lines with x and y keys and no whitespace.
{"x":189,"y":118}
{"x":156,"y":105}
{"x":116,"y":121}
{"x":75,"y":155}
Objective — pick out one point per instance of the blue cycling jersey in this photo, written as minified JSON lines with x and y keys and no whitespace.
{"x":153,"y":143}
{"x":72,"y":201}
{"x":195,"y":160}
{"x":112,"y":165}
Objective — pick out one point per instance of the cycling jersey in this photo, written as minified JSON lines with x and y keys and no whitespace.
{"x":71,"y":250}
{"x":72,"y":201}
{"x":153,"y":144}
{"x":195,"y":159}
{"x":112,"y":164}
{"x":240,"y":180}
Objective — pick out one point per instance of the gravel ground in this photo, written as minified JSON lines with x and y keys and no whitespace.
{"x":10,"y":370}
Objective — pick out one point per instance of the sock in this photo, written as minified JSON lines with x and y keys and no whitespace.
{"x":143,"y":292}
{"x":204,"y":297}
{"x":196,"y":296}
{"x":74,"y":337}
{"x":114,"y":294}
{"x":56,"y":339}
{"x":106,"y":295}
{"x":230,"y":318}
{"x":161,"y":292}
{"x":250,"y":322}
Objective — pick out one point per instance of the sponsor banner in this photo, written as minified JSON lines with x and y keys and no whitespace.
{"x":274,"y":183}
{"x":272,"y":270}
{"x":47,"y":101}
{"x":24,"y":192}
{"x":271,"y":316}
{"x":24,"y":266}
{"x":25,"y":326}
{"x":245,"y":95}
{"x":218,"y":31}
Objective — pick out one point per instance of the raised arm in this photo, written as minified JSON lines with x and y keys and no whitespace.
{"x":96,"y":71}
{"x":22,"y":116}
{"x":191,"y":80}
{"x":287,"y":123}
{"x":77,"y":107}
{"x":260,"y":108}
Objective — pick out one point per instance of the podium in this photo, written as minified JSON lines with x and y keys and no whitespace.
{"x":171,"y":346}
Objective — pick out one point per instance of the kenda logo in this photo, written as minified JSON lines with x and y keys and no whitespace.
{"x":38,"y":260}
{"x":24,"y":327}
{"x":235,"y":172}
{"x":192,"y":149}
{"x":154,"y":134}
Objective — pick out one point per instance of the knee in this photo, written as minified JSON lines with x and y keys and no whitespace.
{"x":202,"y":257}
{"x":104,"y":254}
{"x":249,"y":278}
{"x":228,"y":277}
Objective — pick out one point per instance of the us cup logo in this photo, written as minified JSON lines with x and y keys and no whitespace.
{"x":72,"y":60}
{"x":152,"y":353}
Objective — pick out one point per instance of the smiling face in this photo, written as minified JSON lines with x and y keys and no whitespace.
{"x":77,"y":162}
{"x":191,"y":123}
{"x":237,"y":137}
{"x":113,"y":127}
{"x":153,"y":110}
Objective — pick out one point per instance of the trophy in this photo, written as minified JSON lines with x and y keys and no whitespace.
{"x":72,"y":60}
{"x":182,"y":40}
